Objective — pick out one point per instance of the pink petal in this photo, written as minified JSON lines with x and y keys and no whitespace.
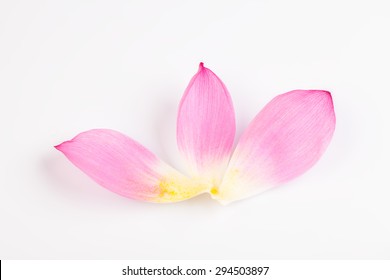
{"x":123,"y":166}
{"x":206,"y":126}
{"x":283,"y":141}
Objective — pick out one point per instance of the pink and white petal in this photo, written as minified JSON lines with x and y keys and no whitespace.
{"x":206,"y":126}
{"x":283,"y":141}
{"x":125,"y":167}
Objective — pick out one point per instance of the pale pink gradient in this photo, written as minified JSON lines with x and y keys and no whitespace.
{"x":206,"y":124}
{"x":284,"y":140}
{"x":118,"y":163}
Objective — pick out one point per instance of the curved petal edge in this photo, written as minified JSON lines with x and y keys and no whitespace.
{"x":206,"y":126}
{"x":125,"y":167}
{"x":284,"y":140}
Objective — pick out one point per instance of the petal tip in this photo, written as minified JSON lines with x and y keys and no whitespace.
{"x":321,"y":95}
{"x":326,"y":95}
{"x":58,"y":147}
{"x":312,"y":91}
{"x":324,"y":92}
{"x":201,"y":67}
{"x":63,"y":146}
{"x":321,"y":91}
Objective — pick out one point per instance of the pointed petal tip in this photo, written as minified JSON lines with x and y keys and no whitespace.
{"x":327,"y":95}
{"x":312,"y":91}
{"x":58,"y":147}
{"x":323,"y":96}
{"x":62,"y":146}
{"x":201,"y":67}
{"x":319,"y":91}
{"x":324,"y":92}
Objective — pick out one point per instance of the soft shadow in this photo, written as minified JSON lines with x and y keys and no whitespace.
{"x":61,"y":175}
{"x":204,"y":200}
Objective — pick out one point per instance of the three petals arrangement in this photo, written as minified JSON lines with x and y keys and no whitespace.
{"x":286,"y":138}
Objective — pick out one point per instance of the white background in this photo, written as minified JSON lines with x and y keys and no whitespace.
{"x":69,"y":66}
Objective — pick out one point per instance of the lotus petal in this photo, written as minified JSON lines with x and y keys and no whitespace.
{"x":206,"y":126}
{"x":125,"y":167}
{"x":283,"y":141}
